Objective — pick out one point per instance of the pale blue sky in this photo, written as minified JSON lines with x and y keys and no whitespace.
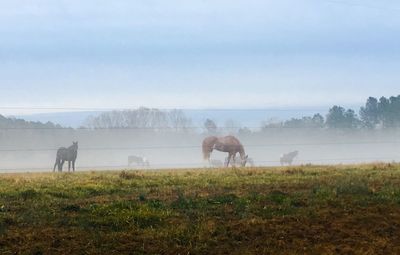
{"x":197,"y":54}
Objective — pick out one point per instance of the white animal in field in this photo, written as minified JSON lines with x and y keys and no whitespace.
{"x":216,"y":163}
{"x":237,"y":162}
{"x":250,"y":161}
{"x":138,"y":160}
{"x":288,"y":158}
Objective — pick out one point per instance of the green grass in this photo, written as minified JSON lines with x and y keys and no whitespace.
{"x":294,"y":210}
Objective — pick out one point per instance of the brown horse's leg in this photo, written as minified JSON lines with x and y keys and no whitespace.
{"x":234,"y":159}
{"x":229,"y":159}
{"x":69,"y":166}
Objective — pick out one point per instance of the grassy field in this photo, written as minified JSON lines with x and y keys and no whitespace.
{"x":293,"y":210}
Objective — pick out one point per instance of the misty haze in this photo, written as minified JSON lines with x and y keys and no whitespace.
{"x":171,"y":139}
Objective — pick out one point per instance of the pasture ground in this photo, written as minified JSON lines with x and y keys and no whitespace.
{"x":352,"y":209}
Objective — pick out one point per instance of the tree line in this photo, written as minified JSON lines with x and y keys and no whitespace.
{"x":379,"y":113}
{"x":16,"y":123}
{"x":375,"y":114}
{"x":141,"y":118}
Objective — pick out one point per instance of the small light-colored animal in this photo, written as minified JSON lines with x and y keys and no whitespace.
{"x":237,"y":161}
{"x":288,"y":157}
{"x":229,"y":144}
{"x":66,"y":154}
{"x":140,"y":161}
{"x":216,"y":163}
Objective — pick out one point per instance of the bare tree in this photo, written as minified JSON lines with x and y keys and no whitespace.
{"x":178,"y":120}
{"x":231,"y":126}
{"x":141,"y":118}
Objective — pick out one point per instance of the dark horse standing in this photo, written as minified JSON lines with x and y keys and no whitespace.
{"x":229,"y":144}
{"x":66,"y":154}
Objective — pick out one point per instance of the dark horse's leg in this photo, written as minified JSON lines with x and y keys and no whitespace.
{"x":69,"y":166}
{"x":73,"y":165}
{"x":60,"y":165}
{"x":56,"y":164}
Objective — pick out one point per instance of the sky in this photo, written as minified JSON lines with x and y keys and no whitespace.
{"x":69,"y":54}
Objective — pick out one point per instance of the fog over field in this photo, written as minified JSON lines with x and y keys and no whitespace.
{"x":35,"y":150}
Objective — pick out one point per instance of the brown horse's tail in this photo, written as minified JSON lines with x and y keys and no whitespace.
{"x":208,"y":145}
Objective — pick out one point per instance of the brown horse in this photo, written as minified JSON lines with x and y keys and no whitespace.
{"x":229,"y":144}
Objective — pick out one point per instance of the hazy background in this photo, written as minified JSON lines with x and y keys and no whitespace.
{"x":63,"y":61}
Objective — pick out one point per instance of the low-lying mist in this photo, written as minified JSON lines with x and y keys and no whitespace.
{"x":35,"y":150}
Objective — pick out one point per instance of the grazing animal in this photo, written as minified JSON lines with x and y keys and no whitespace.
{"x":140,"y":161}
{"x":216,"y":163}
{"x":66,"y":154}
{"x":250,"y":161}
{"x":288,"y":157}
{"x":229,"y":144}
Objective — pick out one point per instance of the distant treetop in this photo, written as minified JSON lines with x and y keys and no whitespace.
{"x":14,"y":123}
